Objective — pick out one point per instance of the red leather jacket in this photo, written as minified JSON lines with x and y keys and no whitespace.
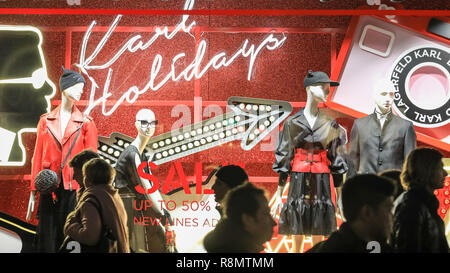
{"x":51,"y":148}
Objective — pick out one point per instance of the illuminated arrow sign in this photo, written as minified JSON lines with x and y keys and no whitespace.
{"x":250,"y":120}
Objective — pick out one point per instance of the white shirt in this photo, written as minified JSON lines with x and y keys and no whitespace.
{"x":65,"y":117}
{"x":382,"y":117}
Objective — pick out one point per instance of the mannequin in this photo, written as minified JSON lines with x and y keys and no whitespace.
{"x":386,"y":139}
{"x":55,"y":135}
{"x":310,"y":147}
{"x":148,"y":238}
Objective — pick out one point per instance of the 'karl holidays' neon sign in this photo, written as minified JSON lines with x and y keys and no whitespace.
{"x":157,"y":78}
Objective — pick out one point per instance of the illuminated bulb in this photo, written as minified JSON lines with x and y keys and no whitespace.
{"x":248,"y":107}
{"x":190,"y":145}
{"x":212,"y":127}
{"x":262,"y":108}
{"x":202,"y":141}
{"x":241,"y":106}
{"x":161,"y":143}
{"x":168,"y":141}
{"x":196,"y":143}
{"x":158,"y":156}
{"x":155,"y":146}
{"x":266,"y":123}
{"x":120,"y":142}
{"x":116,"y":153}
{"x":183,"y":147}
{"x":231,"y":120}
{"x":209,"y":139}
{"x":104,"y":148}
{"x":177,"y":149}
{"x":180,"y":137}
{"x":218,"y":124}
{"x":224,"y":123}
{"x":205,"y":129}
{"x":268,"y":108}
{"x":251,"y":136}
{"x":186,"y":135}
{"x":174,"y":139}
{"x":255,"y":107}
{"x":171,"y":151}
{"x":199,"y":131}
{"x":165,"y":153}
{"x":110,"y":150}
{"x":262,"y":127}
{"x":234,"y":131}
{"x":216,"y":137}
{"x":237,"y":118}
{"x":272,"y":119}
{"x":107,"y":160}
{"x":193,"y":133}
{"x":228,"y":133}
{"x":241,"y":129}
{"x":126,"y":145}
{"x":221,"y":135}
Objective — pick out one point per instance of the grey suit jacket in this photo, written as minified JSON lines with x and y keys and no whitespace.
{"x":373,"y":150}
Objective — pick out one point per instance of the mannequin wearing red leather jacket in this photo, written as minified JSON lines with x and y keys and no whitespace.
{"x":52,"y":147}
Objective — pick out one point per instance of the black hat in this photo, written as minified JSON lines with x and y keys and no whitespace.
{"x":69,"y":78}
{"x":318,"y":77}
{"x":232,"y":175}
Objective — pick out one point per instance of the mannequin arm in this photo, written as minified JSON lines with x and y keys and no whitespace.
{"x":31,"y":203}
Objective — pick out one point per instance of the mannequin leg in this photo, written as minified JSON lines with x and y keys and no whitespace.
{"x":297,"y":243}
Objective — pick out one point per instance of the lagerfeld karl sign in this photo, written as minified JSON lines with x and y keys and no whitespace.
{"x":423,"y":69}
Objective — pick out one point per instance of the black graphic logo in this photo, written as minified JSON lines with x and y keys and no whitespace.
{"x":422,"y":80}
{"x":25,"y":89}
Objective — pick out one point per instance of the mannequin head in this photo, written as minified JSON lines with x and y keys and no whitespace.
{"x":318,"y":92}
{"x":74,"y":92}
{"x":383,"y":94}
{"x":145,"y":123}
{"x":71,"y":84}
{"x":317,"y":85}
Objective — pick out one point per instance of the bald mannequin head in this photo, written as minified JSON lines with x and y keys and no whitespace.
{"x":145,"y":120}
{"x":383,"y":94}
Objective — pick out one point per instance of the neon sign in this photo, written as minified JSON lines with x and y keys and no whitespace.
{"x":136,"y":44}
{"x":25,"y":89}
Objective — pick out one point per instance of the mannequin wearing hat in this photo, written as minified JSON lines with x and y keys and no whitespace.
{"x":310,"y":149}
{"x":146,"y":237}
{"x":56,"y":132}
{"x":385,"y":138}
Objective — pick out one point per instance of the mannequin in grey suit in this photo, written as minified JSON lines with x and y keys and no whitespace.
{"x":382,"y":140}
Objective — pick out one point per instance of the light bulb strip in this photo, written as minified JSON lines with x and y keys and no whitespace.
{"x":219,"y":130}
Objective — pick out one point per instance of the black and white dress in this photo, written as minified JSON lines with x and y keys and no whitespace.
{"x":309,"y":209}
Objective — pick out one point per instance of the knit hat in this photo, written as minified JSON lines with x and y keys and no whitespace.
{"x":69,"y":78}
{"x":318,"y":77}
{"x":232,"y":175}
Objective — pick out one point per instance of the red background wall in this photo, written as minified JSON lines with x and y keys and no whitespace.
{"x":313,"y":42}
